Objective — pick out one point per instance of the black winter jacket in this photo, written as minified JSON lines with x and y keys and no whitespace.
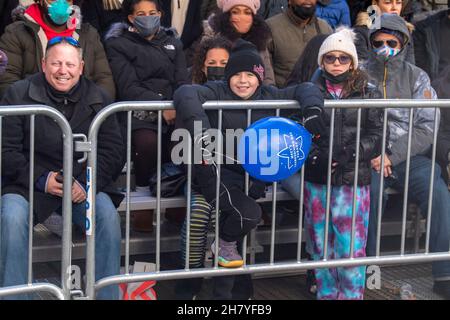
{"x":427,"y":43}
{"x":87,"y":103}
{"x":188,"y":102}
{"x":345,"y":129}
{"x":145,"y":70}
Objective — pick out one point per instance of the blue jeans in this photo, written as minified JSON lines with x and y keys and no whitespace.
{"x":419,"y":183}
{"x":14,"y":241}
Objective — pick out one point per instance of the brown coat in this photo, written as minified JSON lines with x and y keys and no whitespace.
{"x":288,"y":42}
{"x":24,"y":42}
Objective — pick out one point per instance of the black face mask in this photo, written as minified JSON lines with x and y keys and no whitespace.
{"x":215,"y":73}
{"x":336,"y":79}
{"x":304,"y":13}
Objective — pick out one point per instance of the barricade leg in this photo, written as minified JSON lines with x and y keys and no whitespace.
{"x":107,"y":244}
{"x":373,"y":215}
{"x":14,"y":243}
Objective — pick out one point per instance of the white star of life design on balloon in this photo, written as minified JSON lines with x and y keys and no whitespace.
{"x":293,"y":151}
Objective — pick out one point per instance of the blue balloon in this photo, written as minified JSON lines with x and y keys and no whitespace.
{"x":274,"y":148}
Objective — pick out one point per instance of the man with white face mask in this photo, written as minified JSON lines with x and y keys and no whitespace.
{"x":398,"y":79}
{"x":25,"y":40}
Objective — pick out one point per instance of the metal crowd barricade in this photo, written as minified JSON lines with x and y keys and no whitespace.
{"x":92,"y":286}
{"x":30,"y":287}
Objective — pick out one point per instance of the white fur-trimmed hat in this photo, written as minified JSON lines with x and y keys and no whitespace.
{"x":342,"y":40}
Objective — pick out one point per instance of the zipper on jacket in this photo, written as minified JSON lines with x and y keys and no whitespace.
{"x":179,"y":6}
{"x":384,"y":81}
{"x":339,"y":171}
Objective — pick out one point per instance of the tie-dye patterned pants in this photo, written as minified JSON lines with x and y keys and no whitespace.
{"x":337,"y":283}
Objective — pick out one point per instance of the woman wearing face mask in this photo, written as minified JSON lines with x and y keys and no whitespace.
{"x":364,"y":22}
{"x":340,"y":78}
{"x":238,"y":19}
{"x":25,"y":40}
{"x":210,"y":59}
{"x":148,"y":64}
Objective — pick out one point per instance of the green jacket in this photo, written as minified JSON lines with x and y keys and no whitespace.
{"x":288,"y":42}
{"x":24,"y":43}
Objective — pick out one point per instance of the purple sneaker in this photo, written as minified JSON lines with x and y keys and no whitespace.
{"x":229,"y":256}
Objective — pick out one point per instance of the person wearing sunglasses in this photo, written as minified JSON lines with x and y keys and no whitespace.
{"x":25,"y":40}
{"x":340,"y":77}
{"x":62,"y":86}
{"x":396,"y":78}
{"x":367,"y":20}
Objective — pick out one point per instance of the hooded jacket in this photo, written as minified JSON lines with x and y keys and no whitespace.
{"x":362,"y":26}
{"x":145,"y":70}
{"x":188,"y":102}
{"x":398,"y":79}
{"x":86,"y":102}
{"x":345,"y":129}
{"x":24,"y":42}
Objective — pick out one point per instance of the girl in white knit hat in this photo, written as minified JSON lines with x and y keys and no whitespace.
{"x":340,"y":78}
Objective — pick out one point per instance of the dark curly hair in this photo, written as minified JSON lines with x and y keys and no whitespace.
{"x":216,"y":42}
{"x":258,"y":34}
{"x":128,"y":7}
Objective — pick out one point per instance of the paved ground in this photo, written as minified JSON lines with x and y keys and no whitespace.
{"x":292,"y":287}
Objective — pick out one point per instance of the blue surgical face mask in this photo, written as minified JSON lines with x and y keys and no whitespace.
{"x":59,"y":11}
{"x":147,"y":25}
{"x":386,"y":52}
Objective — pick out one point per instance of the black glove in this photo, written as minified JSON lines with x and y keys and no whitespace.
{"x":256,"y":189}
{"x":318,"y":159}
{"x":314,"y":123}
{"x":347,"y":154}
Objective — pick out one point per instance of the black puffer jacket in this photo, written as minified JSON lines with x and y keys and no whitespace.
{"x":345,"y":130}
{"x":145,"y":70}
{"x":188,"y":102}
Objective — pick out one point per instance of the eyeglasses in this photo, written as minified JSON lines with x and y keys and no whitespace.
{"x":60,"y":39}
{"x":330,"y":59}
{"x":391,"y":43}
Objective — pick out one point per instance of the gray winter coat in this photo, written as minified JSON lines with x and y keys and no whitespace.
{"x":399,"y":79}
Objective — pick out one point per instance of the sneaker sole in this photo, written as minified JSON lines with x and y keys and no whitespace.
{"x":230,"y":264}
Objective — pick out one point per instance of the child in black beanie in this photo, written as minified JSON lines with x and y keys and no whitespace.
{"x":244,"y":72}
